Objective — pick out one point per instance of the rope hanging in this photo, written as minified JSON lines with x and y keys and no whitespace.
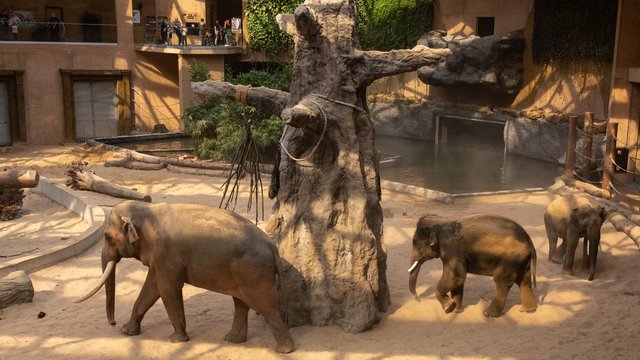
{"x":324,"y":128}
{"x":241,"y":93}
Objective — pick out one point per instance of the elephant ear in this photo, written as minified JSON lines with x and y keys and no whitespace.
{"x":131,"y":230}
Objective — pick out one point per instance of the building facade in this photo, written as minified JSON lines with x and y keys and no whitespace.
{"x":72,"y":70}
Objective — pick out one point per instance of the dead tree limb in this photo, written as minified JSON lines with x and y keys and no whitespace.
{"x":269,"y":100}
{"x":83,"y":179}
{"x":129,"y":163}
{"x":19,"y":179}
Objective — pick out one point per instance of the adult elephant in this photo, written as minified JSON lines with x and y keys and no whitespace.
{"x":477,"y":244}
{"x":573,"y":217}
{"x":206,"y":247}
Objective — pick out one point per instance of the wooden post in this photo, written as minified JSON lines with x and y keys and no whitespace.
{"x":607,"y":176}
{"x":587,"y":149}
{"x":570,"y":161}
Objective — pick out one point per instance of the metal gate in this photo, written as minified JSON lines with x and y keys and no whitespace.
{"x":96,"y":108}
{"x":5,"y":119}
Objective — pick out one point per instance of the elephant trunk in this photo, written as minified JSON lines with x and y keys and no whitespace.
{"x":594,"y":243}
{"x":413,"y":276}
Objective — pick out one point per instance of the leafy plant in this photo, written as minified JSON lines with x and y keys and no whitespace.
{"x":217,"y":127}
{"x":198,"y":71}
{"x":574,"y":30}
{"x":264,"y":33}
{"x":393,"y":24}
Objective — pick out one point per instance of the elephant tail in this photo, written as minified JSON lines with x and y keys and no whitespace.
{"x":533,"y":261}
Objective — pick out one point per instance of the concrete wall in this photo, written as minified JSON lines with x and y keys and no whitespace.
{"x":459,"y":17}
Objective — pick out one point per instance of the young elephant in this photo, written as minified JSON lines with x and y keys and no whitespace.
{"x":570,"y":218}
{"x":478,"y":244}
{"x":206,"y":247}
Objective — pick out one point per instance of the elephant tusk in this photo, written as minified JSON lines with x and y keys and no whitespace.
{"x":107,"y":271}
{"x":413,"y":266}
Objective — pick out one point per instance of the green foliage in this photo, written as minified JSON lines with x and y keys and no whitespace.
{"x":216,"y":125}
{"x":198,"y":71}
{"x":264,"y":33}
{"x":393,"y":24}
{"x":572,"y":30}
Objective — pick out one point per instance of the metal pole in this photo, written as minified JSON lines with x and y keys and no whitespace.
{"x":570,"y":161}
{"x":607,"y":176}
{"x":588,"y":145}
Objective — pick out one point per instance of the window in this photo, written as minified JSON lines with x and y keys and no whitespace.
{"x":485,"y":26}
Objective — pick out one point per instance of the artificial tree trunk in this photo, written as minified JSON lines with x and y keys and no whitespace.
{"x":327,"y":220}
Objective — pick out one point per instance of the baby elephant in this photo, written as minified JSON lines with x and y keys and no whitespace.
{"x":573,"y":217}
{"x":206,"y":247}
{"x":478,"y":244}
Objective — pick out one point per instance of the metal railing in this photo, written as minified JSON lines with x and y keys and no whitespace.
{"x":209,"y":37}
{"x":58,"y":32}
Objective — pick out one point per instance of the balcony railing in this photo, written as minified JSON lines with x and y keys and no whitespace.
{"x":60,"y":32}
{"x":229,"y":37}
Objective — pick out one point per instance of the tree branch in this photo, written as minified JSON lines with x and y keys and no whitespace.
{"x":303,"y":115}
{"x":268,"y":100}
{"x":369,"y":66}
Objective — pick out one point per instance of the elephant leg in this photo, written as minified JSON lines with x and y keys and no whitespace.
{"x":560,"y":252}
{"x":452,"y":280}
{"x":170,"y":289}
{"x":503,"y":284}
{"x":148,"y":296}
{"x":567,"y":264}
{"x":551,"y":235}
{"x":238,"y":332}
{"x":457,"y":294}
{"x":264,"y":299}
{"x":527,"y":297}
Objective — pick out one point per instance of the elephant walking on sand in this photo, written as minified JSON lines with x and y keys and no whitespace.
{"x":573,"y":217}
{"x":206,"y":247}
{"x":477,"y":244}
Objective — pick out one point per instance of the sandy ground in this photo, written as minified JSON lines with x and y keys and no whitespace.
{"x":575,"y":319}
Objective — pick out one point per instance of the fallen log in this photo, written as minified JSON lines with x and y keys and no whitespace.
{"x":621,"y":223}
{"x":82,"y":179}
{"x":588,"y":188}
{"x":196,"y":171}
{"x":129,"y":163}
{"x":15,"y":288}
{"x":19,"y":179}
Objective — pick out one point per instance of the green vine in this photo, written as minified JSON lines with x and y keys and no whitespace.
{"x":382,"y":24}
{"x":572,"y":30}
{"x":393,"y":24}
{"x":264,"y":33}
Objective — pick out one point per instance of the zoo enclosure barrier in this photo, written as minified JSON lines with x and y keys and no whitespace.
{"x":610,"y":164}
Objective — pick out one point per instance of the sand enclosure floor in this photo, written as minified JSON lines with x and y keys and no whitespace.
{"x":576,"y":318}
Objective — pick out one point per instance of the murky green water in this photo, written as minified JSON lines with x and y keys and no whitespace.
{"x":459,"y":169}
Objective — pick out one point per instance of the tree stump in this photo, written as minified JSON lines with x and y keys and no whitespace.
{"x":327,"y":219}
{"x":19,"y":179}
{"x":10,"y":203}
{"x":15,"y":288}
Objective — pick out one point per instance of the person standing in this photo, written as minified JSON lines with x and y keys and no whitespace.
{"x":54,"y":30}
{"x":201,"y":31}
{"x":163,"y":31}
{"x":216,"y":33}
{"x":183,"y":35}
{"x":177,"y":28}
{"x":13,"y":22}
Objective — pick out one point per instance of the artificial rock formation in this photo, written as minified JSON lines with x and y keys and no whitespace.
{"x":492,"y":62}
{"x":327,"y":220}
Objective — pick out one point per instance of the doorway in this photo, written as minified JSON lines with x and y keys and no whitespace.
{"x":5,"y":115}
{"x":95,"y":109}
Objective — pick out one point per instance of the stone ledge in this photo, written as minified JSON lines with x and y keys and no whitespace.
{"x":63,"y":196}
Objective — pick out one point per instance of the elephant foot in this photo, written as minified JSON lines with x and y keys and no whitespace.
{"x":528,"y":309}
{"x":179,"y":337}
{"x":131,"y":328}
{"x":449,"y":307}
{"x":235,"y":337}
{"x":492,"y":313}
{"x":458,"y":309}
{"x":556,"y":260}
{"x":286,"y":348}
{"x":568,"y":272}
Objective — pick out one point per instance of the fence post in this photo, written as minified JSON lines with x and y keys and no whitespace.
{"x":607,"y":175}
{"x":570,"y":159}
{"x":587,"y":150}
